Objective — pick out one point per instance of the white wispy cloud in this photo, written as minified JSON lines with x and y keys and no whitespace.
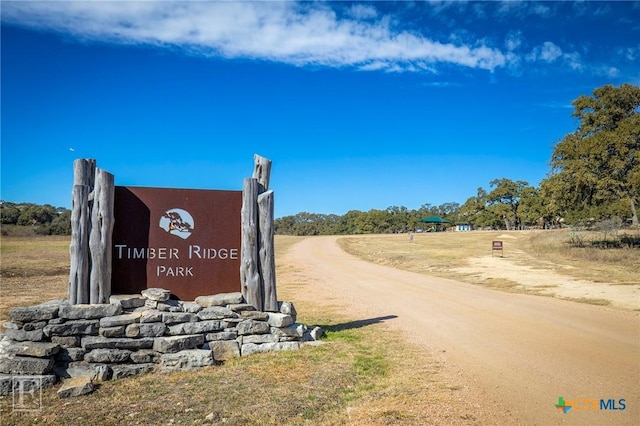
{"x":513,"y":40}
{"x":360,"y":11}
{"x":629,"y":53}
{"x":440,"y":84}
{"x":508,"y":9}
{"x":573,"y":60}
{"x":607,"y":71}
{"x":288,"y":32}
{"x":547,"y":52}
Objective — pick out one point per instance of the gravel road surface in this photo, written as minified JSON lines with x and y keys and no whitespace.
{"x":516,"y":354}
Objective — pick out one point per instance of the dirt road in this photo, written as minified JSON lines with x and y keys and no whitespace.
{"x":515,"y":353}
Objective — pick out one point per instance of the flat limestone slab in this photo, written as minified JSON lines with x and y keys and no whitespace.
{"x":221,"y":299}
{"x":34,"y":349}
{"x":88,"y":311}
{"x":76,"y":386}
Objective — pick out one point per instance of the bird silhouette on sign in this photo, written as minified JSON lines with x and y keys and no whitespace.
{"x":176,"y":222}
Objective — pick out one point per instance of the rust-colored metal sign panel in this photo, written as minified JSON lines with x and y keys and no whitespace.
{"x":183,"y":240}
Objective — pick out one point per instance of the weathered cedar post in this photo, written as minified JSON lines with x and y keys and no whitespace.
{"x":262,"y":172}
{"x":83,"y":180}
{"x":267,"y":252}
{"x":91,"y":231}
{"x":249,"y":275}
{"x":102,"y":221}
{"x":257,"y":270}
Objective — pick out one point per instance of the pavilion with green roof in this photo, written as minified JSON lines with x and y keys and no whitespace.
{"x":437,"y":221}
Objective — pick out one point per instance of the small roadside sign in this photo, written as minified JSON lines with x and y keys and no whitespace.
{"x":497,"y":245}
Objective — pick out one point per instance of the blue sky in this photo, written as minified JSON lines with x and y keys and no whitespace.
{"x":360,"y":105}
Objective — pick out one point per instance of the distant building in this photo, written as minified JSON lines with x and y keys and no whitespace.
{"x":463,"y":227}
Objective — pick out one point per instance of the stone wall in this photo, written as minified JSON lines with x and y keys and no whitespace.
{"x":136,"y":334}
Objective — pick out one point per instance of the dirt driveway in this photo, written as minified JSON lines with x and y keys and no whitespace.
{"x":513,"y":354}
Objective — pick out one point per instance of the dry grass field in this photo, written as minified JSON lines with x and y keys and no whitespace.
{"x":441,"y":253}
{"x":538,"y":262}
{"x":363,"y":374}
{"x":32,"y":270}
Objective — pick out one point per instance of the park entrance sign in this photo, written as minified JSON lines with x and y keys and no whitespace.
{"x":191,"y":242}
{"x":187,"y":241}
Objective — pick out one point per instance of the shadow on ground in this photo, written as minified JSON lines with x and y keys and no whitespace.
{"x":357,"y":324}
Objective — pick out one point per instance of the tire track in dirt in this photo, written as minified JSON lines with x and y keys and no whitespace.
{"x":516,"y":353}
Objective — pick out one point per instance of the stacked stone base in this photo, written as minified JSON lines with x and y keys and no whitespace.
{"x":136,"y":334}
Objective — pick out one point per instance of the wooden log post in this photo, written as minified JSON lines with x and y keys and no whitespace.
{"x":249,"y":268}
{"x":92,"y":220}
{"x":100,"y":239}
{"x":265,"y":244}
{"x":83,"y":181}
{"x":266,"y":251}
{"x":262,"y":172}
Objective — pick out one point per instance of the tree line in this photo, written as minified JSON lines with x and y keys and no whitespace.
{"x":509,"y":205}
{"x":594,"y":176}
{"x":394,"y":219}
{"x":42,"y":219}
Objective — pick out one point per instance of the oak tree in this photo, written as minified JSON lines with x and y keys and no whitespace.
{"x":597,"y":167}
